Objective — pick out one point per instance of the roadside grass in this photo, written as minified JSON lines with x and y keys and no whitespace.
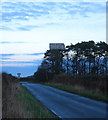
{"x":79,"y":91}
{"x":17,"y":101}
{"x":33,"y":106}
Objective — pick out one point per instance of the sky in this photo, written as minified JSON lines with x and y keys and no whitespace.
{"x":28,"y":26}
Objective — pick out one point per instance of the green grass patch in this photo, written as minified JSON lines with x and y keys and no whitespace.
{"x":32,"y":106}
{"x":84,"y":93}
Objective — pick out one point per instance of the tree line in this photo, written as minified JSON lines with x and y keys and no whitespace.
{"x":85,"y":58}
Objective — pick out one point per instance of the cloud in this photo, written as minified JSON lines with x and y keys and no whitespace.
{"x":9,"y":42}
{"x":85,"y":8}
{"x":3,"y":55}
{"x":27,"y":27}
{"x":18,"y":59}
{"x":31,"y":54}
{"x":26,"y":16}
{"x":4,"y":58}
{"x":16,"y":64}
{"x":21,"y":54}
{"x":5,"y":42}
{"x":55,"y":0}
{"x":3,"y":27}
{"x":35,"y":54}
{"x":21,"y":61}
{"x":21,"y":11}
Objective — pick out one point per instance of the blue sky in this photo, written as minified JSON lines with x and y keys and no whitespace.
{"x":27,"y":28}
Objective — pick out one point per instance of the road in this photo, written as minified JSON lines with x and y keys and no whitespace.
{"x":67,"y":105}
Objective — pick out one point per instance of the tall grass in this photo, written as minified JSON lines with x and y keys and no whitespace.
{"x":94,"y":86}
{"x":97,"y":84}
{"x":17,"y":102}
{"x":79,"y":91}
{"x":33,"y":106}
{"x":9,"y":104}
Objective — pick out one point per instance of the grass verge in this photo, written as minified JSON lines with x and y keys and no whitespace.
{"x":32,"y":106}
{"x":85,"y":93}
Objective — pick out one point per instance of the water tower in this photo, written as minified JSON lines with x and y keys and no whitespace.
{"x":19,"y":74}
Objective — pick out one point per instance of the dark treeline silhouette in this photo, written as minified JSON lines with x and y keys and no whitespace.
{"x":85,"y":58}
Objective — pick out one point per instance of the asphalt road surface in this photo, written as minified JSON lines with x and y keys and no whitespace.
{"x":67,"y":105}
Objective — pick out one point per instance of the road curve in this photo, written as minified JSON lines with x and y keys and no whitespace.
{"x":67,"y":105}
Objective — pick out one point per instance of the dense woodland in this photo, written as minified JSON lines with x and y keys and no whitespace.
{"x":82,"y":59}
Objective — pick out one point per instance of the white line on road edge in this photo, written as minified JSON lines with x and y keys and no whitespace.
{"x":55,"y":113}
